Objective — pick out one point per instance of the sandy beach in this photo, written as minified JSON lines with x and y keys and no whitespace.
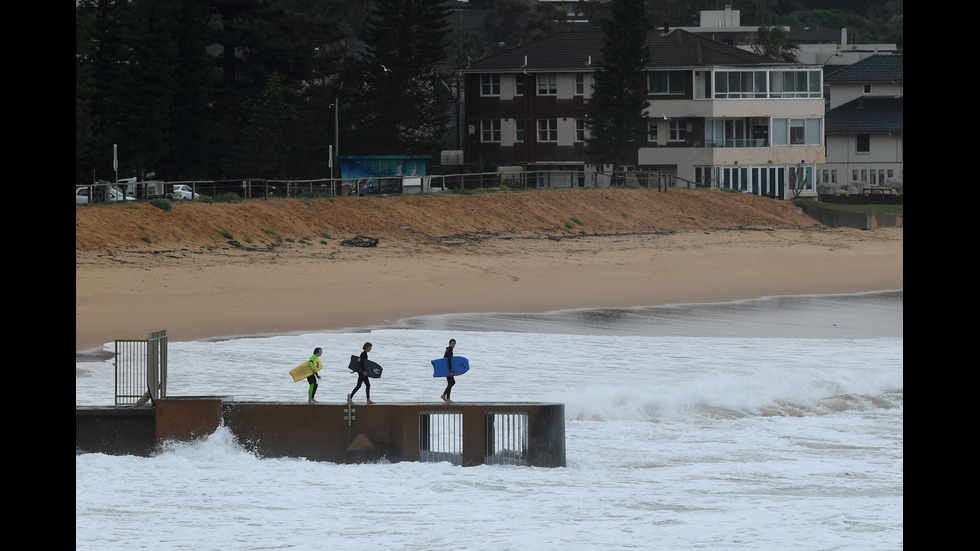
{"x":197,"y":293}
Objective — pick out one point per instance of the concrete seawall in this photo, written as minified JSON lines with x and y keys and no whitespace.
{"x":337,"y":432}
{"x":864,"y":221}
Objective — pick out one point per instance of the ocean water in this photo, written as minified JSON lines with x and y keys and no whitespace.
{"x":771,"y":424}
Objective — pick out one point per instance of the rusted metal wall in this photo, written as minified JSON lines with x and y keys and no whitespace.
{"x":115,"y":430}
{"x":338,"y":433}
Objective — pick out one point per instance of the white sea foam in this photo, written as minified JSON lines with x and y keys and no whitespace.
{"x":672,"y":442}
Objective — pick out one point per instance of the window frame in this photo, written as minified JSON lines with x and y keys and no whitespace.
{"x":667,"y":83}
{"x":547,"y":84}
{"x":862,"y":144}
{"x":489,"y":85}
{"x":490,"y":129}
{"x":547,"y":130}
{"x":676,"y":130}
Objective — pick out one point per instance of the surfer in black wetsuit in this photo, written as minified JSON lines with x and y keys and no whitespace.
{"x":450,"y":379}
{"x":362,"y":375}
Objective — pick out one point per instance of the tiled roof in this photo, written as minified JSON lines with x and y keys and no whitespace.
{"x":872,"y":114}
{"x":877,"y":68}
{"x":572,"y":50}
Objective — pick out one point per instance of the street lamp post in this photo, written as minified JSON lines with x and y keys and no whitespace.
{"x":457,"y":96}
{"x":336,"y":132}
{"x":336,"y":138}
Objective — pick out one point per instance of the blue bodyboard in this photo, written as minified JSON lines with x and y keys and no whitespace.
{"x":440,"y":367}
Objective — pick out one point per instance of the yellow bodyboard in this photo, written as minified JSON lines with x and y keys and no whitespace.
{"x":302,"y":371}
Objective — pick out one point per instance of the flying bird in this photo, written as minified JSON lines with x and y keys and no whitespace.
{"x":666,"y":118}
{"x":387,"y":70}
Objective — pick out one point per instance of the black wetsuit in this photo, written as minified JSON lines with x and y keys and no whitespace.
{"x":450,"y":379}
{"x":362,"y":378}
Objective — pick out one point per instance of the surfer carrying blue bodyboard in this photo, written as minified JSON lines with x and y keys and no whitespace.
{"x":450,"y":379}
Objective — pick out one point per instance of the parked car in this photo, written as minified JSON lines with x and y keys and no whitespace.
{"x":184,"y":191}
{"x":372,"y":186}
{"x":114,"y":194}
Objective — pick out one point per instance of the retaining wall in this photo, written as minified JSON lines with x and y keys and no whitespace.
{"x":320,"y":432}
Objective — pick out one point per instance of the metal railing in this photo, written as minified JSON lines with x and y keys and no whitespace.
{"x":523,"y":180}
{"x":505,"y":437}
{"x":441,"y":436}
{"x":141,"y":369}
{"x":506,"y":434}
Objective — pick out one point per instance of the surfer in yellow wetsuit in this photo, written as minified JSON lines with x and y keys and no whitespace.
{"x":316,"y":366}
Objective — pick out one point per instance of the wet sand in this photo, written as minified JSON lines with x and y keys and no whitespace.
{"x":196,"y":295}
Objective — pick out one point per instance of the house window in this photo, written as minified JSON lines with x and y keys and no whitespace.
{"x":864,"y":143}
{"x":796,"y":133}
{"x":795,"y":84}
{"x":666,"y":82}
{"x":548,"y":130}
{"x":580,"y":130}
{"x":519,"y":130}
{"x":676,"y":130}
{"x":518,"y":85}
{"x":759,"y":132}
{"x":489,"y":85}
{"x":579,"y":84}
{"x":547,"y":84}
{"x":854,"y":175}
{"x":490,"y":130}
{"x":652,"y":131}
{"x":867,"y":89}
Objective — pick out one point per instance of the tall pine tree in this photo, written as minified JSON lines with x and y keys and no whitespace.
{"x":398,"y":104}
{"x":617,"y":122}
{"x":263,"y":149}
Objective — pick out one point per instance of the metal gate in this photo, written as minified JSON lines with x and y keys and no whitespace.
{"x":141,"y":369}
{"x":441,"y":436}
{"x":505,"y":437}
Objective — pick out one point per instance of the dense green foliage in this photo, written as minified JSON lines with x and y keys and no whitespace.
{"x":616,"y":117}
{"x":774,"y":43}
{"x":398,"y":96}
{"x":233,"y":89}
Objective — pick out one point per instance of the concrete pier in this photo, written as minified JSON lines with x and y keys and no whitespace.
{"x":463,"y":433}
